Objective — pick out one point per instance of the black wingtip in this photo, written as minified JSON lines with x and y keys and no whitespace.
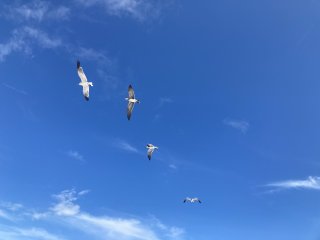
{"x":86,"y":98}
{"x":149,"y":157}
{"x":78,"y":64}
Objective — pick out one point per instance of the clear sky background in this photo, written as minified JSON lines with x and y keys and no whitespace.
{"x":229,"y":90}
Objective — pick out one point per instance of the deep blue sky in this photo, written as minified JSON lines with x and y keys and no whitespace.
{"x":229,"y":92}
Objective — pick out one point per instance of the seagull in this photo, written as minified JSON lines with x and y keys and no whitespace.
{"x":131,"y":101}
{"x":151,"y":148}
{"x":192,"y":200}
{"x":84,"y":82}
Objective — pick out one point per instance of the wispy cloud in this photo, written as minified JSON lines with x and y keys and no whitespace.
{"x":242,"y":126}
{"x":15,"y":233}
{"x":65,"y":205}
{"x":138,"y":9}
{"x":309,"y":183}
{"x":172,"y":166}
{"x":122,"y":144}
{"x":165,"y":100}
{"x":23,"y":39}
{"x":75,"y":155}
{"x":67,"y":214}
{"x":37,"y":11}
{"x":14,"y":89}
{"x":11,"y":206}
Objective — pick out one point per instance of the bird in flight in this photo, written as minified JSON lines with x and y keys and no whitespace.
{"x":131,"y":101}
{"x":192,"y":200}
{"x":151,"y":148}
{"x":84,"y":82}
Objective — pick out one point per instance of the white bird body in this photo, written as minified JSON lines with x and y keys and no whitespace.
{"x":151,"y":149}
{"x":132,"y":100}
{"x":192,"y":200}
{"x":84,"y":82}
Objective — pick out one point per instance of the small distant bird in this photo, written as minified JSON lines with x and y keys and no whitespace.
{"x":84,"y":82}
{"x":151,"y":148}
{"x":192,"y":200}
{"x":131,"y":101}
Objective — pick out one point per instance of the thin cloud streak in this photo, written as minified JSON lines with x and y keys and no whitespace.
{"x":310,"y":183}
{"x":14,"y":89}
{"x":242,"y":126}
{"x":121,"y":144}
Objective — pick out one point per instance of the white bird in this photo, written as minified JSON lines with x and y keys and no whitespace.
{"x":151,"y":148}
{"x":131,"y":101}
{"x":192,"y":200}
{"x":84,"y":82}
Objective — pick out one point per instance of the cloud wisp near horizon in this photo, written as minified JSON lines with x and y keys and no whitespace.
{"x":312,"y":183}
{"x":66,"y":213}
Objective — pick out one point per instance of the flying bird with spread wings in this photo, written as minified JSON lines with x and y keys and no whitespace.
{"x":84,"y":82}
{"x":131,"y":101}
{"x":151,"y":149}
{"x":192,"y":200}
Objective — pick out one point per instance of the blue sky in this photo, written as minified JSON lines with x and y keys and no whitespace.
{"x":229,"y":92}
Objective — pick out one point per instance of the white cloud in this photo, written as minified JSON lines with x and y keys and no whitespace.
{"x":36,"y":11}
{"x":22,"y":40}
{"x":171,"y":232}
{"x":76,"y":155}
{"x":16,"y":233}
{"x":15,"y":89}
{"x":66,"y":205}
{"x":309,"y":183}
{"x":138,"y":9}
{"x":243,"y":126}
{"x":172,"y":166}
{"x":11,"y":206}
{"x":66,"y":213}
{"x":121,"y":144}
{"x":165,"y":100}
{"x":5,"y":215}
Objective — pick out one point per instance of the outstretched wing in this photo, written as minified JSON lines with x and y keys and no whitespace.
{"x":150,"y":151}
{"x":85,"y":91}
{"x":130,"y":109}
{"x":131,"y":92}
{"x":81,"y":75}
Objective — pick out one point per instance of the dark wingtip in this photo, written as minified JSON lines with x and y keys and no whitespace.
{"x":149,"y":157}
{"x":86,"y":98}
{"x":78,"y":64}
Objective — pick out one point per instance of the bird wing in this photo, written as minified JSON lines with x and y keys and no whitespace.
{"x":81,"y":75}
{"x":150,"y":151}
{"x":129,"y":110}
{"x":85,"y":91}
{"x":131,"y":92}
